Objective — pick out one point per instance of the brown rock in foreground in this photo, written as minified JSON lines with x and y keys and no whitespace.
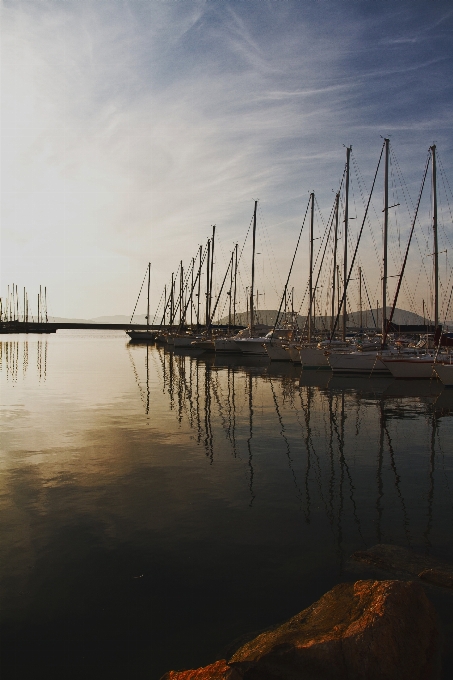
{"x":219,"y":670}
{"x":369,"y":630}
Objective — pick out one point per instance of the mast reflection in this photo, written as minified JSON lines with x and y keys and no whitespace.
{"x":351,"y":431}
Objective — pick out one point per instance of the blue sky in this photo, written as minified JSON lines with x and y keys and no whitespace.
{"x":129,"y":128}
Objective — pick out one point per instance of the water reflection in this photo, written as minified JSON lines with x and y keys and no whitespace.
{"x":14,"y":358}
{"x":328,"y":427}
{"x":237,"y":488}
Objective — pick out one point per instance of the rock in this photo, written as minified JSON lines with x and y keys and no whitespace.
{"x":438,"y":577}
{"x":219,"y":670}
{"x":369,"y":630}
{"x":403,"y":561}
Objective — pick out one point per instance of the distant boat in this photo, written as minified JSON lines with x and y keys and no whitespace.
{"x":144,"y":335}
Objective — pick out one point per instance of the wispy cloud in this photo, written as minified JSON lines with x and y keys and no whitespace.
{"x":129,"y":128}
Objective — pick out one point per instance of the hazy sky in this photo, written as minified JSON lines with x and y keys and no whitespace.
{"x":129,"y":128}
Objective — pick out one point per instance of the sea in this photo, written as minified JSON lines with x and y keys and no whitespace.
{"x":157,"y":507}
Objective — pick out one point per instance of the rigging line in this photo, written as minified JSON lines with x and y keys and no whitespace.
{"x":448,"y":306}
{"x":141,"y":288}
{"x":369,"y":302}
{"x":269,"y":247}
{"x":158,"y":306}
{"x":444,"y":178}
{"x":326,"y":236}
{"x":291,"y":268}
{"x":407,"y":251}
{"x":357,"y":246}
{"x":439,"y":160}
{"x":360,"y":182}
{"x":243,"y":245}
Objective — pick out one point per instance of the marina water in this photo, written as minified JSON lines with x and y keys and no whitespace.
{"x":157,"y":506}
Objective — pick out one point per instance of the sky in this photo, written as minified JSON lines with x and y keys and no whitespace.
{"x":130,"y":127}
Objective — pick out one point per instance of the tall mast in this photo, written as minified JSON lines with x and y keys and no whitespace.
{"x":335,"y":243}
{"x":181,"y":289}
{"x":165,"y":303}
{"x":310,"y":278}
{"x":172,"y":297}
{"x":360,"y":299}
{"x":230,"y":294}
{"x":345,"y":236}
{"x":191,"y":294}
{"x":199,"y":288}
{"x":208,"y":262}
{"x":212,"y":272}
{"x":436,"y":252}
{"x":253,"y":270}
{"x":235,"y":275}
{"x":386,"y":226}
{"x":149,"y":284}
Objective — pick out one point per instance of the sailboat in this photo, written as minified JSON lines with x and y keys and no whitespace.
{"x":422,"y":367}
{"x":144,"y":335}
{"x":249,"y":343}
{"x":361,"y":360}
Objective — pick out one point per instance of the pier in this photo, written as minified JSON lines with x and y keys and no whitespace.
{"x":53,"y":327}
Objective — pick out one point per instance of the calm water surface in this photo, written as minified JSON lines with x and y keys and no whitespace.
{"x":155,"y":507}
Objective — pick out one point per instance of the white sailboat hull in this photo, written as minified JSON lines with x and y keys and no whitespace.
{"x":252,"y":346}
{"x":227,"y":345}
{"x":143,"y":336}
{"x":277,"y":352}
{"x":358,"y":363}
{"x":184,"y":341}
{"x":445,"y":373}
{"x":411,"y":368}
{"x":313,"y":358}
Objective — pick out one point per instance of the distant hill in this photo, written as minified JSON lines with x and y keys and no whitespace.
{"x":118,"y":318}
{"x":268,"y":316}
{"x":369,"y":317}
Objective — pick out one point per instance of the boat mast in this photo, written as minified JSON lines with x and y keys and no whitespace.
{"x":235,"y":276}
{"x":172,"y":298}
{"x":181,"y":292}
{"x":199,"y":287}
{"x":253,"y":270}
{"x":436,"y":253}
{"x":230,"y":291}
{"x":335,"y":243}
{"x":345,"y":236}
{"x":208,"y":265}
{"x":310,"y":279}
{"x":360,"y":299}
{"x":147,"y":304}
{"x":191,"y":294}
{"x":165,"y":303}
{"x":386,"y":226}
{"x":212,"y":271}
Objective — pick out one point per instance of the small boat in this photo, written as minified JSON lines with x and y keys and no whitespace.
{"x":142,"y":336}
{"x":147,"y":335}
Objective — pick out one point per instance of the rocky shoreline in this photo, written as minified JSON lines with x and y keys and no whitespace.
{"x":368,"y":630}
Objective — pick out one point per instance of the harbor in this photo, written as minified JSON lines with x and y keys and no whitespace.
{"x":226,"y":341}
